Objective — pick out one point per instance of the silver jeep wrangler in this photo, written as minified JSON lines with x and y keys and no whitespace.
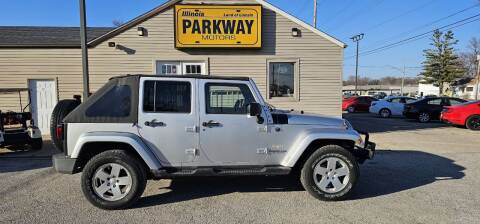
{"x":140,"y":127}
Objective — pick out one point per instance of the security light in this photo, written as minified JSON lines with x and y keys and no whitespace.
{"x":296,"y":32}
{"x":111,"y":44}
{"x":141,"y":31}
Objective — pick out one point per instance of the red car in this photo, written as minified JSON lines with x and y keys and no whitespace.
{"x":466,"y":114}
{"x":357,"y":103}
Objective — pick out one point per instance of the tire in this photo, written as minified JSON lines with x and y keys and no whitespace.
{"x":92,"y":183}
{"x":423,"y":117}
{"x":385,"y":113}
{"x":473,"y":123}
{"x":351,"y":109}
{"x":61,"y":110}
{"x":36,"y":143}
{"x":312,"y":182}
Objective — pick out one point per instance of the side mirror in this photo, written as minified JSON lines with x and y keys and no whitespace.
{"x":255,"y":110}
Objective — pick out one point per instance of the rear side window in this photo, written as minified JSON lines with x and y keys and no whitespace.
{"x":397,"y":100}
{"x":166,"y":97}
{"x":227,"y":98}
{"x":435,"y":102}
{"x":456,"y":102}
{"x":116,"y":102}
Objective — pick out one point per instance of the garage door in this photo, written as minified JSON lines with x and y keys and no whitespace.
{"x":44,"y":99}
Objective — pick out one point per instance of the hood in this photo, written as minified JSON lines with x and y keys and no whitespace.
{"x":313,"y":119}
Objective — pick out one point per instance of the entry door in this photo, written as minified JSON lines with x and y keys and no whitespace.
{"x":168,"y":119}
{"x":228,"y":135}
{"x":44,"y":99}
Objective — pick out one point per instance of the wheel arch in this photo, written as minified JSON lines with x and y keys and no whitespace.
{"x":317,"y":143}
{"x":92,"y":144}
{"x":310,"y":140}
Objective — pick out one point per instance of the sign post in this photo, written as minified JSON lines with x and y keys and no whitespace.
{"x":218,"y":26}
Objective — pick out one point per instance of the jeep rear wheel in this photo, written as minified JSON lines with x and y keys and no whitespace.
{"x":330,"y":173}
{"x":113,"y":180}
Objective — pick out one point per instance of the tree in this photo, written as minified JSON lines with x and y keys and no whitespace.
{"x":442,"y":66}
{"x":469,"y":58}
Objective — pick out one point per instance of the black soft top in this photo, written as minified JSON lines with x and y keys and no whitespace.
{"x":117,"y":100}
{"x":240,"y":78}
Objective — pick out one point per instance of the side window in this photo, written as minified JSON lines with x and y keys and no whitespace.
{"x":398,"y":100}
{"x":409,"y":100}
{"x":116,"y":102}
{"x":227,"y":98}
{"x":435,"y":102}
{"x":166,"y":97}
{"x":455,"y":102}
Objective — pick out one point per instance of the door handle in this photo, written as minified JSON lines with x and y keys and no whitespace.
{"x":154,"y":123}
{"x":211,"y":123}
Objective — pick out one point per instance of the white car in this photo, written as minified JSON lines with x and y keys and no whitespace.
{"x":390,"y":106}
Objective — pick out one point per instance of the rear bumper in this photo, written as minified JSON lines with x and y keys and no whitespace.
{"x":367,"y":151}
{"x":64,"y":164}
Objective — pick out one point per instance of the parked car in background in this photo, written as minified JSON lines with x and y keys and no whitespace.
{"x":390,"y":106}
{"x":466,"y":114}
{"x":357,"y":104}
{"x":429,"y":109}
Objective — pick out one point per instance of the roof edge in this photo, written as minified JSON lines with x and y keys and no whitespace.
{"x":167,"y":4}
{"x":131,"y":23}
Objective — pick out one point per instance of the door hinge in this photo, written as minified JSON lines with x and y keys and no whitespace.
{"x":192,"y":152}
{"x":193,"y":129}
{"x":262,"y":151}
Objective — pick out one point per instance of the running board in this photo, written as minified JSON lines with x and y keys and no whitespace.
{"x":220,"y":171}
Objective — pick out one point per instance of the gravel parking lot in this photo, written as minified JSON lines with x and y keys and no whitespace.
{"x":423,"y":173}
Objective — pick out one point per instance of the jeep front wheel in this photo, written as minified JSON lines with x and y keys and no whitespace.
{"x":113,"y":180}
{"x":330,"y":173}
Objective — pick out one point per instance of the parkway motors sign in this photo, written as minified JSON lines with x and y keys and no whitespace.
{"x":218,"y":26}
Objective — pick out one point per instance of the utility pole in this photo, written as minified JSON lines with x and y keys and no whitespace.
{"x":315,"y":13}
{"x":403,"y":80}
{"x":357,"y":39}
{"x":83,"y":42}
{"x":478,"y":78}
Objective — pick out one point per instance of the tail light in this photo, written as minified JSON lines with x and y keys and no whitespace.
{"x":59,"y":131}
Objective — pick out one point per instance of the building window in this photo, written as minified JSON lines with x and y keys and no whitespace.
{"x":469,"y":89}
{"x":180,"y":68}
{"x":227,"y":98}
{"x":167,"y":97}
{"x":283,"y":79}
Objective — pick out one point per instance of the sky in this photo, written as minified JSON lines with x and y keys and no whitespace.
{"x":383,"y":22}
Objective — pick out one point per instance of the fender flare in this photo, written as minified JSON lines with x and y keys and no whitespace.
{"x":306,"y":138}
{"x":121,"y":137}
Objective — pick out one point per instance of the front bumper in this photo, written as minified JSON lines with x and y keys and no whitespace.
{"x":64,"y":164}
{"x":367,"y":150}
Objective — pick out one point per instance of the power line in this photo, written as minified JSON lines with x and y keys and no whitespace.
{"x":371,"y":8}
{"x":343,"y":9}
{"x":399,"y":16}
{"x":419,"y":36}
{"x":426,"y":25}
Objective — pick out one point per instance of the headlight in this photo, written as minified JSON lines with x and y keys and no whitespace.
{"x":359,"y":141}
